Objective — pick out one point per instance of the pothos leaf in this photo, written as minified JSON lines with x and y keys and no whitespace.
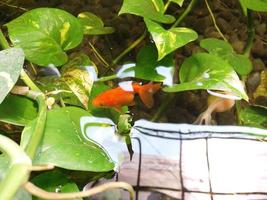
{"x":257,"y":5}
{"x":11,"y":63}
{"x":55,"y":181}
{"x":17,"y":110}
{"x":45,"y":34}
{"x":78,"y":77}
{"x":254,"y":116}
{"x":64,"y":144}
{"x":206,"y":71}
{"x":240,"y":63}
{"x":169,"y":40}
{"x":148,"y":68}
{"x":93,"y":25}
{"x":150,"y":9}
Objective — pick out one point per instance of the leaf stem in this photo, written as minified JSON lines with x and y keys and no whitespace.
{"x":251,"y":33}
{"x":38,"y":131}
{"x":27,"y":80}
{"x":107,"y":78}
{"x":72,"y":195}
{"x":3,"y":42}
{"x":214,"y":21}
{"x":18,"y":172}
{"x":128,"y":49}
{"x":185,"y":13}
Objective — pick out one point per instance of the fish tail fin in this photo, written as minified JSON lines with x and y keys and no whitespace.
{"x":146,"y":93}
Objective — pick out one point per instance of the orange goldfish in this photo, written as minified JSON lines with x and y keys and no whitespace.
{"x":118,"y":97}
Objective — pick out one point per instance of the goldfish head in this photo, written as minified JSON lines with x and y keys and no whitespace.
{"x":97,"y":103}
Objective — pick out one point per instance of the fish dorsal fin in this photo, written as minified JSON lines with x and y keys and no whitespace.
{"x":146,"y":93}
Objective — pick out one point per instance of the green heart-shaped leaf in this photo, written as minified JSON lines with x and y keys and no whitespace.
{"x":11,"y":63}
{"x":216,"y":46}
{"x":78,"y":77}
{"x":148,"y":68}
{"x":17,"y":110}
{"x":257,"y":5}
{"x":240,"y":63}
{"x":206,"y":71}
{"x":254,"y":116}
{"x":65,"y":146}
{"x":169,"y":40}
{"x":55,"y":181}
{"x":44,"y":34}
{"x":151,"y":9}
{"x":93,"y":25}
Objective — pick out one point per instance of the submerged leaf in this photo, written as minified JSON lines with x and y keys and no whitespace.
{"x":64,"y":144}
{"x":151,"y":9}
{"x":45,"y":34}
{"x":55,"y":181}
{"x":17,"y":110}
{"x":78,"y":77}
{"x":254,"y":116}
{"x":93,"y":25}
{"x":206,"y":71}
{"x":11,"y":63}
{"x":169,"y":40}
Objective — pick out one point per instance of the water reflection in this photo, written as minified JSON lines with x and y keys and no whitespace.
{"x":127,"y":86}
{"x":92,"y":72}
{"x":101,"y":131}
{"x":127,"y":70}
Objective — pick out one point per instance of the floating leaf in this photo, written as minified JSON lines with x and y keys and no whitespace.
{"x":78,"y":78}
{"x":254,"y":116}
{"x":93,"y":25}
{"x":206,"y":71}
{"x":44,"y":34}
{"x":11,"y":63}
{"x":151,"y":9}
{"x":55,"y":181}
{"x":169,"y":40}
{"x":240,"y":63}
{"x":17,"y":110}
{"x":257,"y":5}
{"x":148,"y":68}
{"x":65,"y":146}
{"x":179,"y":2}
